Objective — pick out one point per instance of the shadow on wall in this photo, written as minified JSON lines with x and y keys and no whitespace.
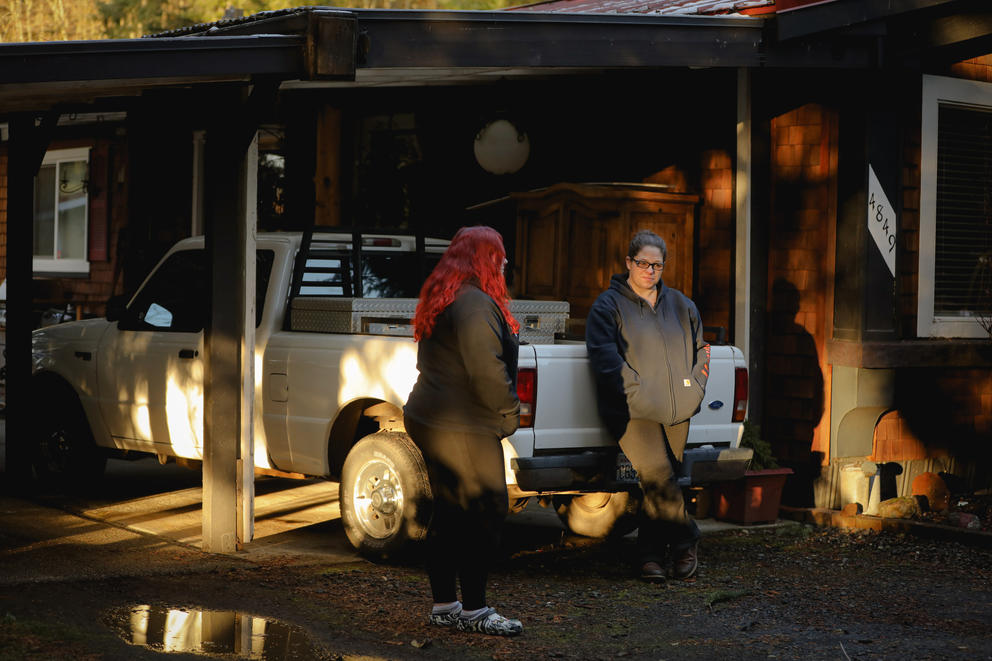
{"x":948,"y":411}
{"x":794,"y":394}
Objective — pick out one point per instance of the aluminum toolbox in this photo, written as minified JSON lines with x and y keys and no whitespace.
{"x":378,"y":316}
{"x":539,"y":320}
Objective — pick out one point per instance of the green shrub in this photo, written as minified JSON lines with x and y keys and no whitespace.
{"x":751,"y":438}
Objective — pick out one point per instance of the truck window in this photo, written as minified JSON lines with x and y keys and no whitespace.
{"x":394,"y":275}
{"x":175,"y":298}
{"x":384,"y":275}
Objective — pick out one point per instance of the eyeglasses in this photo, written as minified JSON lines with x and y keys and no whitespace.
{"x":644,"y":265}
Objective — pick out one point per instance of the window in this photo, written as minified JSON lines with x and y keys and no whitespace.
{"x":391,"y":274}
{"x":955,"y":281}
{"x":175,"y":297}
{"x":61,"y":203}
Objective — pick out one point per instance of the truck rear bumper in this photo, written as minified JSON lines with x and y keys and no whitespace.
{"x":611,"y":471}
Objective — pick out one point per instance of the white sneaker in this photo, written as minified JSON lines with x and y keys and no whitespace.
{"x":490,"y":622}
{"x":447,"y":618}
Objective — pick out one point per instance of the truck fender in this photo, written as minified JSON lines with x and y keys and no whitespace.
{"x":356,"y":420}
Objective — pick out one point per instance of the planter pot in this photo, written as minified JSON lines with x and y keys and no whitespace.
{"x":754,"y":498}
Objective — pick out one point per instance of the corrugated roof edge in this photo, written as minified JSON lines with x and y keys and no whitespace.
{"x":655,"y":7}
{"x":204,"y":29}
{"x":251,"y":18}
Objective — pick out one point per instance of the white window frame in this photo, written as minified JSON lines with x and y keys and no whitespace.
{"x":54,"y":265}
{"x":939,"y":90}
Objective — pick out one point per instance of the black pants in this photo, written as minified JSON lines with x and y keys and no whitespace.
{"x":653,"y":450}
{"x":468,"y":484}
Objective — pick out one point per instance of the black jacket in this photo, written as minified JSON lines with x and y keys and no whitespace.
{"x":468,"y":369}
{"x":649,"y":363}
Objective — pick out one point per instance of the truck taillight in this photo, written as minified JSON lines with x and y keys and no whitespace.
{"x":527,"y":393}
{"x":740,"y":394}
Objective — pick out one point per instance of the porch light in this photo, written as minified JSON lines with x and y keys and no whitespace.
{"x":501,"y":148}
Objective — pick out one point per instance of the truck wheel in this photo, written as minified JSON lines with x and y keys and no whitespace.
{"x":64,"y":447}
{"x":600,"y":514}
{"x":385,"y":495}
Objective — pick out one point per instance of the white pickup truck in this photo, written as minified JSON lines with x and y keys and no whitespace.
{"x":333,"y":371}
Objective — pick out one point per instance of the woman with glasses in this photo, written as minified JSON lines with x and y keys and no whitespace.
{"x":463,"y":404}
{"x":646,"y":348}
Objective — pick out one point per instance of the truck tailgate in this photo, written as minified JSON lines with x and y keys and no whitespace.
{"x":567,"y":416}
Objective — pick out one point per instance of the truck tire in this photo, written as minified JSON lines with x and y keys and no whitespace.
{"x":63,"y":448}
{"x":385,"y":495}
{"x":600,"y":514}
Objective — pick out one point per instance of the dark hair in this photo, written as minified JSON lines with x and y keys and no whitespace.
{"x":475,"y":255}
{"x":647,"y":238}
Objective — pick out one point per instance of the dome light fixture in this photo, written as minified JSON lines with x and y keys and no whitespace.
{"x":501,"y":148}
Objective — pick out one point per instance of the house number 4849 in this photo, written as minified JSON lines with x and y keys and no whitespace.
{"x":881,"y":221}
{"x":882,"y":216}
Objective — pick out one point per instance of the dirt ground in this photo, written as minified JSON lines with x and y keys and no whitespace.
{"x":793,"y":592}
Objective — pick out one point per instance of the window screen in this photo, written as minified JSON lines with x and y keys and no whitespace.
{"x":963,"y":260}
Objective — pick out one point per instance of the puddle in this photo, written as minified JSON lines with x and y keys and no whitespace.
{"x":210,"y":632}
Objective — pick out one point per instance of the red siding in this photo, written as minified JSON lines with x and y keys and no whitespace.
{"x":800,"y":277}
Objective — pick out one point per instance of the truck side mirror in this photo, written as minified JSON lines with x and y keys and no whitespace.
{"x":116,"y":308}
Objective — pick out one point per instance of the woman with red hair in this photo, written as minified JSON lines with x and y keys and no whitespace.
{"x":463,"y":404}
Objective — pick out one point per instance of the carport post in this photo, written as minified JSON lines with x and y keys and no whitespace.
{"x":228,"y":385}
{"x":27,"y":150}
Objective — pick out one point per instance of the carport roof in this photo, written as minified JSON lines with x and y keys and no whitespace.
{"x":322,"y":46}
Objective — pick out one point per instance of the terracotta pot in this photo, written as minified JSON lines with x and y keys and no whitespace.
{"x":754,"y":498}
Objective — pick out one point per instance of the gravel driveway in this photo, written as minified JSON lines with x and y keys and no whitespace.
{"x":793,"y":592}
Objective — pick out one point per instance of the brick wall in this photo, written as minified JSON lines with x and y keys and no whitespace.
{"x":716,"y":239}
{"x":800,"y":276}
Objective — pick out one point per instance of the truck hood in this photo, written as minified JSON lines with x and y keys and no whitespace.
{"x":79,"y":334}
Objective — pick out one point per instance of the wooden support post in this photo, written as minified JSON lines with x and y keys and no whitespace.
{"x":327,"y":179}
{"x":27,"y":150}
{"x":246,"y":465}
{"x":226,"y":243}
{"x":229,"y":342}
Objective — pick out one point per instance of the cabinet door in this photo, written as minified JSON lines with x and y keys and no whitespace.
{"x":673,"y":223}
{"x":542,"y":275}
{"x":594,"y":248}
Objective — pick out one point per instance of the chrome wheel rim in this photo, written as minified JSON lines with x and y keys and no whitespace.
{"x":378,"y":498}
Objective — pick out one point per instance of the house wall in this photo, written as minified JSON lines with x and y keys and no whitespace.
{"x":715,"y":231}
{"x":107,"y":215}
{"x":713,"y":182}
{"x":942,"y":411}
{"x":800,"y":284}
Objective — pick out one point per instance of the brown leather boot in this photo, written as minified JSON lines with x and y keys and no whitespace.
{"x":652,"y":571}
{"x":685,"y":563}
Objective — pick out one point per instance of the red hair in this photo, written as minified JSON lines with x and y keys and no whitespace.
{"x":475,"y":256}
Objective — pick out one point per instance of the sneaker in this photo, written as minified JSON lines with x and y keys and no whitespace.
{"x":652,"y":571}
{"x":447,"y":618}
{"x":490,"y":622}
{"x":685,"y":562}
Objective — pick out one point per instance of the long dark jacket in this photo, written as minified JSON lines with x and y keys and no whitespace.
{"x":649,"y":363}
{"x":468,"y":369}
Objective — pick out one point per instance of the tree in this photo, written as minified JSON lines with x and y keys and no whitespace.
{"x":49,"y":20}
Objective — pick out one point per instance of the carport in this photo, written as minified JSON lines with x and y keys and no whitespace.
{"x":231,"y":73}
{"x":230,"y":81}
